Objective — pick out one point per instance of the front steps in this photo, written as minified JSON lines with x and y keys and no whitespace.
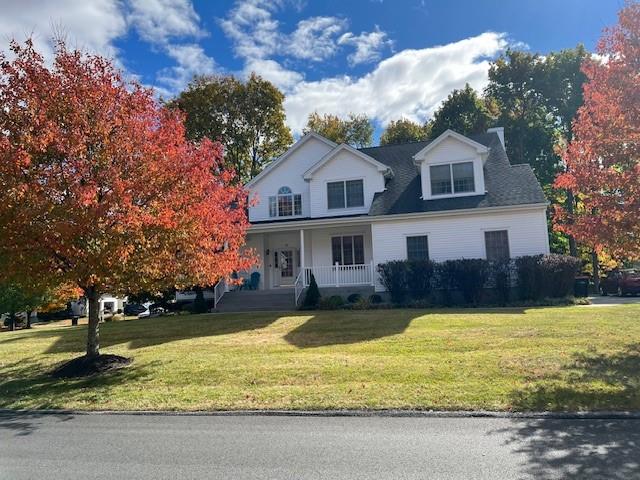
{"x":257,"y":301}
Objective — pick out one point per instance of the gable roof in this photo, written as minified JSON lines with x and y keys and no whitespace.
{"x":506,"y":184}
{"x":479,"y":147}
{"x":303,"y":140}
{"x":382,"y":168}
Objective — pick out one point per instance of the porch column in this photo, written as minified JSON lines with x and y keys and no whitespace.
{"x":304,"y":275}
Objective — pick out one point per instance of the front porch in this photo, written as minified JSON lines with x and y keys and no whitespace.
{"x":339,"y":256}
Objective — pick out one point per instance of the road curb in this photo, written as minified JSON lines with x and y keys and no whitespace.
{"x":594,"y":415}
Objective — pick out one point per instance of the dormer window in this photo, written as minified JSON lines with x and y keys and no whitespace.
{"x":452,"y":178}
{"x":285,"y":203}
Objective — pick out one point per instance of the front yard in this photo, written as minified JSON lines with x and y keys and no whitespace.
{"x":565,"y":358}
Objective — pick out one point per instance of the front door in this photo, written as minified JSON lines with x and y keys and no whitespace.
{"x":285,"y":267}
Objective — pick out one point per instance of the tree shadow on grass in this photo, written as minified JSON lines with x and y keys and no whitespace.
{"x":591,"y":381}
{"x":140,"y":333}
{"x":326,"y":329}
{"x":26,"y":384}
{"x":584,"y":448}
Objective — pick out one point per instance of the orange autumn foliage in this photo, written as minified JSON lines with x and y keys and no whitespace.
{"x":603,"y":159}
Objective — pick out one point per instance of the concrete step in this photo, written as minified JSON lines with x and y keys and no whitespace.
{"x":260,"y":300}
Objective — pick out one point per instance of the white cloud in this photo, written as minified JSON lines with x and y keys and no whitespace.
{"x":191,"y":60}
{"x":368,"y":46}
{"x":315,"y":38}
{"x":87,"y":25}
{"x":156,"y":21}
{"x":410,"y":84}
{"x":252,"y":29}
{"x":274,"y":72}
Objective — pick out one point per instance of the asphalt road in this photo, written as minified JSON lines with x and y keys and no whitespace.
{"x":267,"y":447}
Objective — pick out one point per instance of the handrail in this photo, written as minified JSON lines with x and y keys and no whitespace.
{"x":218,"y":291}
{"x":299,"y":286}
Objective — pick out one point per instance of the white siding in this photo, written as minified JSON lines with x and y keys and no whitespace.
{"x":321,"y":238}
{"x":288,"y":173}
{"x":461,"y":236}
{"x":451,"y":150}
{"x":344,"y":166}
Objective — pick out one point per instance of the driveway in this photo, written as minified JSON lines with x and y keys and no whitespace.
{"x":608,"y":300}
{"x":304,"y":448}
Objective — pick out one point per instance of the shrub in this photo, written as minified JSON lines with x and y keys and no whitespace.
{"x":541,"y":276}
{"x":468,"y":275}
{"x":501,"y":276}
{"x":446,"y":280}
{"x":200,"y":304}
{"x":375,"y":299}
{"x":331,"y":303}
{"x":354,"y":297}
{"x":361,"y":304}
{"x":557,"y":275}
{"x":312,"y":296}
{"x":394,"y":275}
{"x":420,"y":278}
{"x":527,"y":268}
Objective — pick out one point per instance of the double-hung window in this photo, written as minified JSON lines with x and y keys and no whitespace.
{"x":345,"y":194}
{"x":452,"y":178}
{"x":417,"y":248}
{"x":347,"y":250}
{"x":497,"y":244}
{"x":285,"y":203}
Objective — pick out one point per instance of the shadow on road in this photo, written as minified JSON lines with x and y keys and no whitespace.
{"x":25,"y":423}
{"x":577,"y":449}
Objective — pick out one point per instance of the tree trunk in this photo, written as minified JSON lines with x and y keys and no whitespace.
{"x":596,"y":271}
{"x":93,"y":345}
{"x":573,"y":247}
{"x":12,"y":322}
{"x":29,"y":312}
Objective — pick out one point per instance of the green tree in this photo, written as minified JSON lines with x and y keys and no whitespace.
{"x":246,"y":117}
{"x":464,"y":111}
{"x":538,"y":97}
{"x":355,"y":130}
{"x":402,"y":131}
{"x":16,"y":298}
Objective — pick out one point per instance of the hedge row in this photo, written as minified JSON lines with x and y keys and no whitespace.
{"x":535,"y":277}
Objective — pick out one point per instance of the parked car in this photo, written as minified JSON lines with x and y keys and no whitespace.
{"x":621,"y":282}
{"x":134,"y":309}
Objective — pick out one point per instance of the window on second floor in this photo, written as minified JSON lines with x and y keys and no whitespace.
{"x":345,"y":194}
{"x":452,"y":178}
{"x":285,"y":203}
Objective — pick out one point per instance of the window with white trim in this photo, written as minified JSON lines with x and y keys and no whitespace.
{"x":418,"y":247}
{"x":497,"y":245}
{"x":345,"y":194}
{"x":285,"y":203}
{"x":347,"y":250}
{"x":452,"y":178}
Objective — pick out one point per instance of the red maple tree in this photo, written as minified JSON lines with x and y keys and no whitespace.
{"x":100,"y":189}
{"x":603,"y":159}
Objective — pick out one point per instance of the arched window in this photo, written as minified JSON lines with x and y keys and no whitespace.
{"x":285,"y":203}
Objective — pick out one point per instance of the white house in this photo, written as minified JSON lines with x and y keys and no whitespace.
{"x":338,"y":212}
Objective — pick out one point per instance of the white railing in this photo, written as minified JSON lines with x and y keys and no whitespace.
{"x":298,"y":286}
{"x":218,"y":291}
{"x":340,"y":275}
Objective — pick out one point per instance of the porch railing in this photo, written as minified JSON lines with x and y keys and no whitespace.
{"x":218,"y":291}
{"x":340,"y":275}
{"x":299,"y":286}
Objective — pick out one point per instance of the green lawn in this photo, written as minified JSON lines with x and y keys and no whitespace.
{"x":565,"y":358}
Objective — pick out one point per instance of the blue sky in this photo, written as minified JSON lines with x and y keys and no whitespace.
{"x":387,"y":59}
